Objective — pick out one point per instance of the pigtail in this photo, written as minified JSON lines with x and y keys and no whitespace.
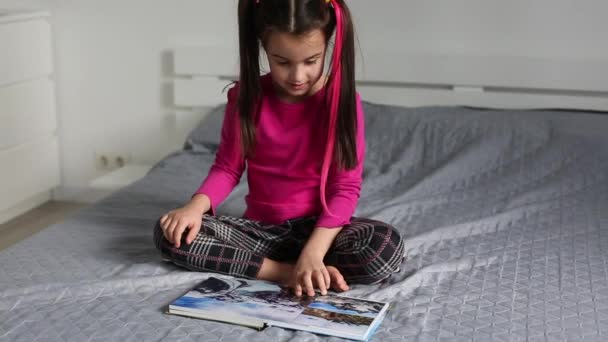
{"x":341,"y":99}
{"x":249,"y":89}
{"x":346,"y":151}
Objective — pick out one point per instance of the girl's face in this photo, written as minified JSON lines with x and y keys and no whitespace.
{"x":296,"y":63}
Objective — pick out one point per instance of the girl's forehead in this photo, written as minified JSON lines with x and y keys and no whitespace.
{"x":292,"y":46}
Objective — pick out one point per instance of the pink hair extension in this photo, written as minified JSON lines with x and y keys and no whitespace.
{"x":334,"y":101}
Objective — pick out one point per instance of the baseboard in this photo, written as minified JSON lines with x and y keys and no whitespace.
{"x":79,"y":194}
{"x":24,"y":206}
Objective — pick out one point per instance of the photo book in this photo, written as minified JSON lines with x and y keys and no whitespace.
{"x":260,"y":304}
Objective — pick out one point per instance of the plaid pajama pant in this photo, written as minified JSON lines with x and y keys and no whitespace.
{"x":364,"y":251}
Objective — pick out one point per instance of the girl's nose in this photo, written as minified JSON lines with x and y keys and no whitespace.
{"x":297,"y":74}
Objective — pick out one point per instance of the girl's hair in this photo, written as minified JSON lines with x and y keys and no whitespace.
{"x":259,"y":18}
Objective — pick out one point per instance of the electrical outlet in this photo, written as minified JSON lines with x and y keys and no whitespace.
{"x":121,"y":159}
{"x":102,"y":161}
{"x":111,"y":161}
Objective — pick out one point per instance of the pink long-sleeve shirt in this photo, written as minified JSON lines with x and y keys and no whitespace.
{"x":284,"y":175}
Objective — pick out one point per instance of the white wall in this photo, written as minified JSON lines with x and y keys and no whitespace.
{"x":541,"y":28}
{"x":113,"y":69}
{"x":112,"y":65}
{"x":25,"y":4}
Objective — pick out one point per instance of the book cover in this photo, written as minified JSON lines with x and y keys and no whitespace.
{"x":259,"y":304}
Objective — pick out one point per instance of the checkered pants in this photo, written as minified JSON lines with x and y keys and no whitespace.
{"x":364,"y":251}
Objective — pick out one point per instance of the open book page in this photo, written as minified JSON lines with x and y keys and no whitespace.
{"x":331,"y":314}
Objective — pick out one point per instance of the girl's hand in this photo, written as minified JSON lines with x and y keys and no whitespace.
{"x":175,"y":222}
{"x":308,"y":272}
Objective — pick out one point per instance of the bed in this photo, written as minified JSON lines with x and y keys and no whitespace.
{"x":504,"y":214}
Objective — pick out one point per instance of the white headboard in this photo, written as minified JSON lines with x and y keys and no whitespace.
{"x":200,"y":74}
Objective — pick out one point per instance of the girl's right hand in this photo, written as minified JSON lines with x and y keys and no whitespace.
{"x":175,"y":222}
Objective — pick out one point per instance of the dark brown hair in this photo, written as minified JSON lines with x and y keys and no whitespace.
{"x":257,"y":19}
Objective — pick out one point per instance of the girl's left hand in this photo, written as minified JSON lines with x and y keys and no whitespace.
{"x":308,"y":271}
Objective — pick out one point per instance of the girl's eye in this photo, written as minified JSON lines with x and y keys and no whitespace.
{"x":307,"y":62}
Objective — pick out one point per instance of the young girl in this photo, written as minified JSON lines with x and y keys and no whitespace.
{"x":300,"y":136}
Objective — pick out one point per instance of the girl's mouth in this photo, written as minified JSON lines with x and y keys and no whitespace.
{"x":297,"y":86}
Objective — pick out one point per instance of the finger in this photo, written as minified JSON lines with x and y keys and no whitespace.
{"x":177,"y":234}
{"x":167,"y":230}
{"x":164,"y":224}
{"x":194,"y":229}
{"x":173,"y":225}
{"x":321,"y":282}
{"x":310,"y":290}
{"x":164,"y":218}
{"x":297,"y":290}
{"x":327,"y":278}
{"x":342,"y":285}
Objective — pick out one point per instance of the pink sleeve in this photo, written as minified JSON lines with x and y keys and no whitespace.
{"x":344,"y":186}
{"x":229,"y":164}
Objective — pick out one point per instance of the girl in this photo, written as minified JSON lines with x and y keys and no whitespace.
{"x":300,"y":136}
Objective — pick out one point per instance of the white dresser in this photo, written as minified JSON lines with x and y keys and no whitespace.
{"x":29,"y":157}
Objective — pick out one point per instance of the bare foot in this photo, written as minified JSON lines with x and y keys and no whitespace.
{"x":275,"y":271}
{"x":338,"y":283}
{"x":281,"y":273}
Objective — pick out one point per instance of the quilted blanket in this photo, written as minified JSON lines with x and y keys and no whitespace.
{"x":504,"y":214}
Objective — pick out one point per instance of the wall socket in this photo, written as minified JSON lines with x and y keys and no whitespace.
{"x":111,"y":161}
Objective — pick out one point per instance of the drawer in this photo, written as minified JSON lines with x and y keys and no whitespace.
{"x":27,"y":111}
{"x":25,"y":50}
{"x":27,"y":170}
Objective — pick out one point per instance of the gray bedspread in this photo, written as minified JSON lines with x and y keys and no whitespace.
{"x":504,"y":216}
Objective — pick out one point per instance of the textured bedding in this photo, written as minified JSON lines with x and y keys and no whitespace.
{"x":504,"y":216}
